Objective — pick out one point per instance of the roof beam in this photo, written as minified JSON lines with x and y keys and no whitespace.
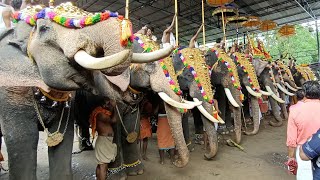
{"x":306,"y":7}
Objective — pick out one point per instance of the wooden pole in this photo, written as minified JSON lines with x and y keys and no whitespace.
{"x":176,"y":13}
{"x":203,"y":28}
{"x":127,"y":10}
{"x":224,"y":31}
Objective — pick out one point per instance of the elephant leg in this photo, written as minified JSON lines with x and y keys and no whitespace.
{"x":276,"y":113}
{"x":255,"y":114}
{"x":60,"y":156}
{"x":185,"y":127}
{"x":131,"y":153}
{"x":116,"y":169}
{"x":283,"y":106}
{"x":19,"y":126}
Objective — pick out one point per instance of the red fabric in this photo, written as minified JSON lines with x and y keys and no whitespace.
{"x":292,"y":166}
{"x":145,"y":127}
{"x":164,"y":136}
{"x":93,"y":115}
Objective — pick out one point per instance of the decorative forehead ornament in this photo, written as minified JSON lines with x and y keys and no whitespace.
{"x":302,"y":71}
{"x":248,"y":68}
{"x":71,"y":16}
{"x":285,"y":69}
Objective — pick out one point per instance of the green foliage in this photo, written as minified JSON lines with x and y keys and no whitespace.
{"x":302,"y":46}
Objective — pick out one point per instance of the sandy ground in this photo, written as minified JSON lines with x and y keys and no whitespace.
{"x":263,"y":158}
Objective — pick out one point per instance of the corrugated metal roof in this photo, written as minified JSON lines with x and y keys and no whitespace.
{"x":158,"y":13}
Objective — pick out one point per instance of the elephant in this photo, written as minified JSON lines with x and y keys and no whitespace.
{"x":50,"y":56}
{"x":225,"y":79}
{"x":143,"y":79}
{"x":250,"y":86}
{"x":302,"y":74}
{"x":193,"y":75}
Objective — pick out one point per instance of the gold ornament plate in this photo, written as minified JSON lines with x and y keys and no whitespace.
{"x":132,"y":137}
{"x":54,"y":139}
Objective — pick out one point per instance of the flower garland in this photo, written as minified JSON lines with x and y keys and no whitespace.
{"x":60,"y":15}
{"x":231,"y":67}
{"x":285,"y":69}
{"x":204,"y":87}
{"x":271,"y":74}
{"x":248,"y":69}
{"x":279,"y":72}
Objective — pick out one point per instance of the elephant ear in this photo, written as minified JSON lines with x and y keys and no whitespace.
{"x":259,"y":65}
{"x":122,"y":80}
{"x":17,"y":70}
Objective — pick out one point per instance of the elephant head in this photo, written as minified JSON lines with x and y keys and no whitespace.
{"x":267,"y":80}
{"x":224,"y":76}
{"x":78,"y":42}
{"x":301,"y":74}
{"x":249,"y":80}
{"x":287,"y":76}
{"x":193,"y":76}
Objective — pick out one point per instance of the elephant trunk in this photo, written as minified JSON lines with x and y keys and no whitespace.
{"x":174,"y":119}
{"x":275,"y":110}
{"x":255,"y":114}
{"x":283,"y":106}
{"x":237,"y":116}
{"x":212,"y":149}
{"x":159,"y":83}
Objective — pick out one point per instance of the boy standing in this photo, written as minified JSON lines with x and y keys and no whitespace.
{"x":105,"y":150}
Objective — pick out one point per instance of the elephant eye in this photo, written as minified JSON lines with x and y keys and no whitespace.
{"x":43,"y":28}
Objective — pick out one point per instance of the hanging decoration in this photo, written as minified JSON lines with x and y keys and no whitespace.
{"x":271,"y":73}
{"x":267,"y":25}
{"x":287,"y":30}
{"x":237,"y":19}
{"x":146,"y":43}
{"x":248,"y":68}
{"x":215,"y":3}
{"x":252,"y":22}
{"x":192,"y":59}
{"x":276,"y":67}
{"x":232,"y":68}
{"x":307,"y":74}
{"x":303,"y":73}
{"x":226,"y":11}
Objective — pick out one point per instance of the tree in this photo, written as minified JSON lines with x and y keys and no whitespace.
{"x":302,"y":46}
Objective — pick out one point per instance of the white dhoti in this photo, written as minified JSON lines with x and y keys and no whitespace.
{"x":105,"y":150}
{"x":304,"y":171}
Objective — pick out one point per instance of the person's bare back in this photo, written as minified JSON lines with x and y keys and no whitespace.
{"x":104,"y":125}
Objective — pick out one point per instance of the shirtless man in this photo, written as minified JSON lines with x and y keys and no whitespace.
{"x":194,"y":38}
{"x":167,"y":33}
{"x":105,"y":150}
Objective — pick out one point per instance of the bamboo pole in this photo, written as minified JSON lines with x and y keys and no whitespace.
{"x":176,"y":13}
{"x":224,"y":31}
{"x":203,"y":28}
{"x":127,"y":10}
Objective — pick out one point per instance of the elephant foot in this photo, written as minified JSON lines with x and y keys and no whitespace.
{"x":135,"y":170}
{"x":237,"y":135}
{"x":223,"y":130}
{"x":118,"y":176}
{"x":230,"y":129}
{"x":199,"y":139}
{"x":275,"y":124}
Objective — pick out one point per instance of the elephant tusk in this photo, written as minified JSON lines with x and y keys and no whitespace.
{"x":197,"y":103}
{"x":174,"y":103}
{"x":265,"y":93}
{"x":206,"y":114}
{"x":284,"y":90}
{"x":299,"y":87}
{"x":152,"y":56}
{"x":87,"y":61}
{"x":275,"y":97}
{"x":290,"y":87}
{"x":230,"y":98}
{"x":252,"y":92}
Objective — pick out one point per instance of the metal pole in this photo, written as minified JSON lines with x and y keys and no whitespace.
{"x":203,"y":28}
{"x":176,"y":12}
{"x":317,"y":34}
{"x":127,"y":10}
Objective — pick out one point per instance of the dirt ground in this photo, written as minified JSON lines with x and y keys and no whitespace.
{"x":263,"y":158}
